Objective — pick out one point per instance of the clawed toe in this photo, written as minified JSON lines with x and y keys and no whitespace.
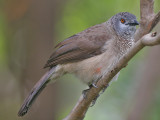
{"x":84,"y":93}
{"x":94,"y":85}
{"x":104,"y":88}
{"x":94,"y":101}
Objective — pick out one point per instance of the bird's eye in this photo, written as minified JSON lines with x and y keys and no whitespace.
{"x":122,"y":21}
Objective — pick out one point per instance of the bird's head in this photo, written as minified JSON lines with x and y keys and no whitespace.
{"x":124,"y":24}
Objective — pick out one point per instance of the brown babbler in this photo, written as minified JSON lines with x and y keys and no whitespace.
{"x":88,"y":54}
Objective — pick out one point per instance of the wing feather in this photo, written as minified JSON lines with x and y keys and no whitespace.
{"x":81,"y":46}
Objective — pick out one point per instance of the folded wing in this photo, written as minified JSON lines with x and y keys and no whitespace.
{"x":80,"y":46}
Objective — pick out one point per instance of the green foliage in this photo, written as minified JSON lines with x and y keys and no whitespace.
{"x":2,"y":39}
{"x":81,"y":14}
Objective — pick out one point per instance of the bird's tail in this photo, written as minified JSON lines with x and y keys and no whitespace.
{"x":36,"y":90}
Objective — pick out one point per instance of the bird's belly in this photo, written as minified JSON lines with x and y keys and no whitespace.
{"x":93,"y":68}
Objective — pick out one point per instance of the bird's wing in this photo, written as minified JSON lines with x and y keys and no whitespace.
{"x":81,"y":46}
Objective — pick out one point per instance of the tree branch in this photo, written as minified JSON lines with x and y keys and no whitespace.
{"x":82,"y":105}
{"x":148,"y":21}
{"x":155,"y":20}
{"x":148,"y":18}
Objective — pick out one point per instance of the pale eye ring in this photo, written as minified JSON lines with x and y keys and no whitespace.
{"x":122,"y":20}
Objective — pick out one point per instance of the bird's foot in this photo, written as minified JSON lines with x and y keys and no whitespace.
{"x":93,"y":85}
{"x":94,"y":101}
{"x":84,"y":92}
{"x":104,"y":88}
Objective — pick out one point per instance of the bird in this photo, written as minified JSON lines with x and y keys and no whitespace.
{"x":88,"y":54}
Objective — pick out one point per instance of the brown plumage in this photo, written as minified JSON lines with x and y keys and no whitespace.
{"x":83,"y":45}
{"x":88,"y":54}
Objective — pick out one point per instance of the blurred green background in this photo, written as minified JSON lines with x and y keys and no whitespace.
{"x":29,"y":29}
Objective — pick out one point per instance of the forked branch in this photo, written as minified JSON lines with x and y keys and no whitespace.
{"x":148,"y":18}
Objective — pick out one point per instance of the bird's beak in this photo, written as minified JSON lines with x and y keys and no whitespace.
{"x":136,"y":22}
{"x":133,"y":23}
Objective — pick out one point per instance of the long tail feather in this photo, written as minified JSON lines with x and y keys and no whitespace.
{"x":40,"y":85}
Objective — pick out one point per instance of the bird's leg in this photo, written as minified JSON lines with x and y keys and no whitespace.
{"x":84,"y":92}
{"x":93,"y":84}
{"x":90,"y":86}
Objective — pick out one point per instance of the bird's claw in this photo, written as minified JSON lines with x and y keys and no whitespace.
{"x":84,"y":92}
{"x":104,"y":88}
{"x":93,"y":85}
{"x":94,"y":101}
